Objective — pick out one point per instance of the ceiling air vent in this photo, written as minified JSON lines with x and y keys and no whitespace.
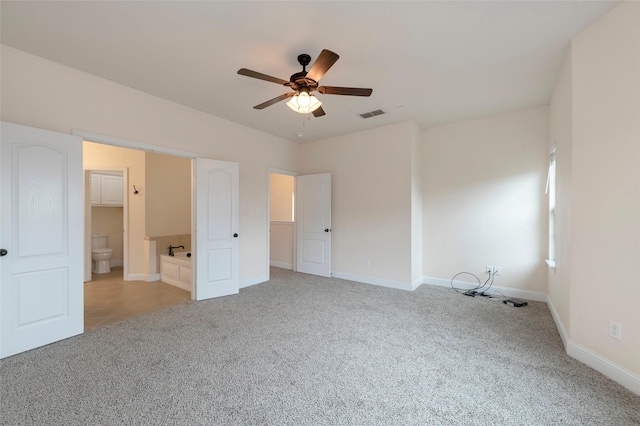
{"x":372,"y":113}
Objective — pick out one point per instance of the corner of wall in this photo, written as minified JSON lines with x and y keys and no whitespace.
{"x":605,"y":223}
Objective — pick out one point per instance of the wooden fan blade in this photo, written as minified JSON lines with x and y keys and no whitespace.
{"x":325,"y":60}
{"x":349,"y":91}
{"x":260,"y":76}
{"x":274,"y":100}
{"x":319,"y":112}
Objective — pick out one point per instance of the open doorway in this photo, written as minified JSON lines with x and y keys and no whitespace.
{"x":152,"y":213}
{"x":106,"y":213}
{"x":282,"y":219}
{"x":299,"y":231}
{"x":50,"y":169}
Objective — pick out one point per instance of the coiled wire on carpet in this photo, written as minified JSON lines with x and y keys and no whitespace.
{"x":479,"y":289}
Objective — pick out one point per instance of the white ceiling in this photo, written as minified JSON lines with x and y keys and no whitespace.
{"x":442,"y":61}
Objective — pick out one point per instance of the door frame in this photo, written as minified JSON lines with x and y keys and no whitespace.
{"x":140,"y":146}
{"x":287,"y":173}
{"x":86,"y":170}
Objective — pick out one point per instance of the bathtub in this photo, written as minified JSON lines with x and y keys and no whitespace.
{"x":176,"y":270}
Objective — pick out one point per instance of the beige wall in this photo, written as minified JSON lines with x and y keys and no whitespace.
{"x":605,"y":203}
{"x":371,"y":199}
{"x":96,"y":156}
{"x":43,"y":94}
{"x":167,"y":195}
{"x":281,"y":249}
{"x":483,"y":198}
{"x":560,"y":136}
{"x":108,"y":221}
{"x":416,"y":206}
{"x":281,"y":188}
{"x":281,"y":193}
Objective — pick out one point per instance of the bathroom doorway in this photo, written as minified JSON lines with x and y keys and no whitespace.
{"x":281,"y":219}
{"x":153,"y":213}
{"x":106,"y":224}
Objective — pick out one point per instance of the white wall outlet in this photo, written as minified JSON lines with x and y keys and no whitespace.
{"x":497,"y":270}
{"x":489,"y":269}
{"x":615,"y":330}
{"x":366,"y":263}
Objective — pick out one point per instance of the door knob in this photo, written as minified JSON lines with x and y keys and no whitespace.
{"x":3,"y":252}
{"x":326,"y":230}
{"x":235,"y":235}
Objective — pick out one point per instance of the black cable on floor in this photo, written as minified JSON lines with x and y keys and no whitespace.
{"x":467,"y":291}
{"x":477,"y":290}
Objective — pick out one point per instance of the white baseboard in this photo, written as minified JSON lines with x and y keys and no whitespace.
{"x":283,"y":265}
{"x":556,"y":318}
{"x":506,"y":291}
{"x":417,"y":283}
{"x":375,"y":281}
{"x":142,"y":277}
{"x":609,"y":368}
{"x":115,"y":262}
{"x":253,"y":281}
{"x":136,"y":277}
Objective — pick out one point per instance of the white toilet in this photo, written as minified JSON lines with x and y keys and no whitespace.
{"x":100,"y":254}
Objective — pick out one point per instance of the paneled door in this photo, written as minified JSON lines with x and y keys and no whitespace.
{"x":313,"y":219}
{"x":41,"y":227}
{"x":217,"y":233}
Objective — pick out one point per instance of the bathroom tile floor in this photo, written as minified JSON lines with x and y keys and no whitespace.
{"x":108,"y":298}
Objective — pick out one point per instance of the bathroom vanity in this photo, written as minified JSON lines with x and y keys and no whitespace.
{"x":176,"y":270}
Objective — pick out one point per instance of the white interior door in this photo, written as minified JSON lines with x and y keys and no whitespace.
{"x":41,"y":230}
{"x":313,"y":219}
{"x":217,"y":238}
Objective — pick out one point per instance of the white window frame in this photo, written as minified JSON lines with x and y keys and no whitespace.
{"x":551,"y":192}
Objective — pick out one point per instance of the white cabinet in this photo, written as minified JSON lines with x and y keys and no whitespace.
{"x":111,"y":190}
{"x":95,"y":189}
{"x":106,"y":190}
{"x":176,"y":270}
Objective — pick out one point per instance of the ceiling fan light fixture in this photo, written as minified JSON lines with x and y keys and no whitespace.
{"x":304,"y":100}
{"x":305,"y":82}
{"x":304,"y":103}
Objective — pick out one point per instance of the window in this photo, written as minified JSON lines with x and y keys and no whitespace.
{"x":551,"y":192}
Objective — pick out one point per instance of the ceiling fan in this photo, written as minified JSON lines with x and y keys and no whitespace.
{"x":305,"y":82}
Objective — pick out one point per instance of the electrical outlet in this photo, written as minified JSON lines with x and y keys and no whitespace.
{"x":489,"y":269}
{"x":366,"y":263}
{"x":615,"y":330}
{"x":497,"y":270}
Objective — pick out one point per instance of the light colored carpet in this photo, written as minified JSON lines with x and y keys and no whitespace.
{"x":304,"y":350}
